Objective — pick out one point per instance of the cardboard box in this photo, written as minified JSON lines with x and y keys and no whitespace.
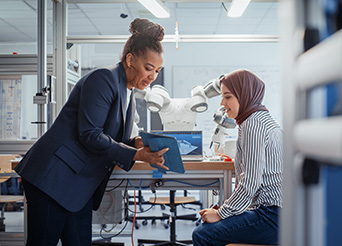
{"x":5,"y":162}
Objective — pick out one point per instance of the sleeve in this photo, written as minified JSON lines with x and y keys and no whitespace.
{"x":253,"y":164}
{"x":99,"y":93}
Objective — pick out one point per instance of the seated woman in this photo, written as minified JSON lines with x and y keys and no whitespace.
{"x":250,"y":214}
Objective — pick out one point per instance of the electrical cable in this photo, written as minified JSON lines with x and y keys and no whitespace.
{"x":125,"y":218}
{"x":106,"y":238}
{"x":140,"y":183}
{"x":111,"y":189}
{"x":152,"y":205}
{"x":102,"y":212}
{"x":138,"y":188}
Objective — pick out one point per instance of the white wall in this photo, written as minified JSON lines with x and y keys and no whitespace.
{"x":197,"y":63}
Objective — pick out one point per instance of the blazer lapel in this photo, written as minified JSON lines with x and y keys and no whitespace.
{"x":129,"y":118}
{"x":123,"y":99}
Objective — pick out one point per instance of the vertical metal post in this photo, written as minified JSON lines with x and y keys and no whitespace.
{"x":41,"y":64}
{"x":172,"y":216}
{"x":60,"y":52}
{"x":291,"y":225}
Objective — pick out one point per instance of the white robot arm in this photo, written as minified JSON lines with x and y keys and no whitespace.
{"x":220,"y":131}
{"x":179,"y":113}
{"x":212,"y":88}
{"x":175,"y":113}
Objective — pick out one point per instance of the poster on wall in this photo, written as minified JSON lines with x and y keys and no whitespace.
{"x":10,"y":106}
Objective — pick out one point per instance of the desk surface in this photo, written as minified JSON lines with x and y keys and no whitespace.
{"x":200,"y":165}
{"x":188,"y":165}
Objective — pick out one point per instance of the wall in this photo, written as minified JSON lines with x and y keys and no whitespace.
{"x":197,"y":63}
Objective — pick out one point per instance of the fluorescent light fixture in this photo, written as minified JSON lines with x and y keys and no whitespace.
{"x":156,"y":7}
{"x":237,"y":7}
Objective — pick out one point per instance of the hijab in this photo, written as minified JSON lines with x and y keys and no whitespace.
{"x":249,"y":91}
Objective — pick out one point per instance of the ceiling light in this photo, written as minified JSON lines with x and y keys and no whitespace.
{"x":237,"y":7}
{"x":156,"y":7}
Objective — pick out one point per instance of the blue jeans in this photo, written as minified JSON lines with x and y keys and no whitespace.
{"x":48,"y":221}
{"x":258,"y":226}
{"x":10,"y":187}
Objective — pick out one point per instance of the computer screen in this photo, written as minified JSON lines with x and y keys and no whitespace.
{"x":190,"y":143}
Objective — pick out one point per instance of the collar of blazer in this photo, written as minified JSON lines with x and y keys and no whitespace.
{"x":122,"y":90}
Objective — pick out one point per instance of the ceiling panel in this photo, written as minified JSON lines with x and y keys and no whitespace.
{"x":18,"y":19}
{"x":17,"y":5}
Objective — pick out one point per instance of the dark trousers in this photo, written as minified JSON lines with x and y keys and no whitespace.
{"x":48,"y":221}
{"x":258,"y":226}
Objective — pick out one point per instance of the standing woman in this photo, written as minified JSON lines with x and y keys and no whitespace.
{"x":66,"y":171}
{"x":250,"y":214}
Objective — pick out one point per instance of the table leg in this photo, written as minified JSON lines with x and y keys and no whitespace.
{"x":227,"y":186}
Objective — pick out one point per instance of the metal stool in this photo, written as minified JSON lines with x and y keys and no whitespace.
{"x":172,"y":202}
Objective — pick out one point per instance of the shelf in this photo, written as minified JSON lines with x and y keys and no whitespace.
{"x":22,"y":64}
{"x":321,"y":64}
{"x":15,"y":146}
{"x":321,"y":138}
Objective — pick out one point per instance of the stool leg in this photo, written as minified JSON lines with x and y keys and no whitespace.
{"x":172,"y":216}
{"x":2,"y":217}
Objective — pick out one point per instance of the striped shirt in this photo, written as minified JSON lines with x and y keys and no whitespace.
{"x":258,"y":166}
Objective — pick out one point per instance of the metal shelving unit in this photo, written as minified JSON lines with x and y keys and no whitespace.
{"x":14,"y":65}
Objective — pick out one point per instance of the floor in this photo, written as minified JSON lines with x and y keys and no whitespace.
{"x":14,"y":223}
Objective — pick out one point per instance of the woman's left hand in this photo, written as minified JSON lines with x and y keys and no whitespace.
{"x":209,"y":215}
{"x":138,"y":143}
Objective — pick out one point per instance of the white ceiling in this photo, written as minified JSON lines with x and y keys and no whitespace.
{"x":18,"y":18}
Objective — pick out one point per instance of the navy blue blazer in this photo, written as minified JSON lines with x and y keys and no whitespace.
{"x":73,"y":160}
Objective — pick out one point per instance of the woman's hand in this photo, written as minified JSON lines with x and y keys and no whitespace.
{"x":156,"y":158}
{"x":138,"y":143}
{"x":209,"y":215}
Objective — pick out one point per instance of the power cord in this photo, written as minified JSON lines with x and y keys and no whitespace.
{"x":152,"y":205}
{"x":111,"y":189}
{"x":124,"y":227}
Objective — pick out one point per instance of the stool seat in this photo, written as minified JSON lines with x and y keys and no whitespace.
{"x":166,"y":200}
{"x":10,"y":198}
{"x":4,"y":178}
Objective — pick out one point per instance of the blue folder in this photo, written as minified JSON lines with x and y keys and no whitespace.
{"x":156,"y":142}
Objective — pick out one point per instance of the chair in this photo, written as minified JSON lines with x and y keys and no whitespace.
{"x":172,"y":202}
{"x":4,"y":199}
{"x":194,"y":202}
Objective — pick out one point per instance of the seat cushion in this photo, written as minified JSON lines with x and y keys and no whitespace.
{"x":178,"y":200}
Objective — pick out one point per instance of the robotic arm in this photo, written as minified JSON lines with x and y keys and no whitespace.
{"x":179,"y":113}
{"x":219,"y":133}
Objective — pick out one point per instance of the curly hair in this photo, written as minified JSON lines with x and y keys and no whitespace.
{"x":145,"y":35}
